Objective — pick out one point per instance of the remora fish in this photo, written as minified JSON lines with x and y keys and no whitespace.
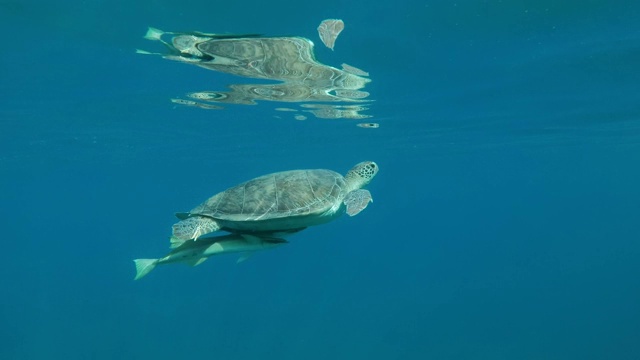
{"x":196,"y":252}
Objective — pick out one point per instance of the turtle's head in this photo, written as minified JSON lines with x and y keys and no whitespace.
{"x":361,"y":174}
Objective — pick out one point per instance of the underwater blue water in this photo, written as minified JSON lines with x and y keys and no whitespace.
{"x":506,"y":214}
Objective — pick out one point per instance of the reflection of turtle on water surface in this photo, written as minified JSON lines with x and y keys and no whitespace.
{"x":288,"y":60}
{"x":283,"y":201}
{"x":276,"y":58}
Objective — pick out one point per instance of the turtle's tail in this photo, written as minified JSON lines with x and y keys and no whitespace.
{"x":144,"y":266}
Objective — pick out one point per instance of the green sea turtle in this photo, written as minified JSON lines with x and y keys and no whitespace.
{"x":282,"y":201}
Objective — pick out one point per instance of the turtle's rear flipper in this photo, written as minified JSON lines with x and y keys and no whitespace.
{"x":357,"y":200}
{"x":193,"y":227}
{"x":176,"y":242}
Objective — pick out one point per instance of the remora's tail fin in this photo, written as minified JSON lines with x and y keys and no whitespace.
{"x":144,"y":266}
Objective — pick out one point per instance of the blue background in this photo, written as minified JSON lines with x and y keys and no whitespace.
{"x":506,"y":221}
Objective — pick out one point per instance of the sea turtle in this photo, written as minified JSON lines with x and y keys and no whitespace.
{"x":282,"y":201}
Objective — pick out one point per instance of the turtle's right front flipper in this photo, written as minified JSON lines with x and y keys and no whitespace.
{"x":357,"y":201}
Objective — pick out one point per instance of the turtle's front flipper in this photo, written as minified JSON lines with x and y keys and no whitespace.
{"x":193,"y":227}
{"x":357,"y":200}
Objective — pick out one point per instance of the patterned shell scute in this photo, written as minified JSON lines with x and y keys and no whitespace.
{"x":283,"y":194}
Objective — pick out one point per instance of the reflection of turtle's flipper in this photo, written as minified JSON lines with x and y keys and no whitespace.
{"x":154,"y":34}
{"x":145,"y":52}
